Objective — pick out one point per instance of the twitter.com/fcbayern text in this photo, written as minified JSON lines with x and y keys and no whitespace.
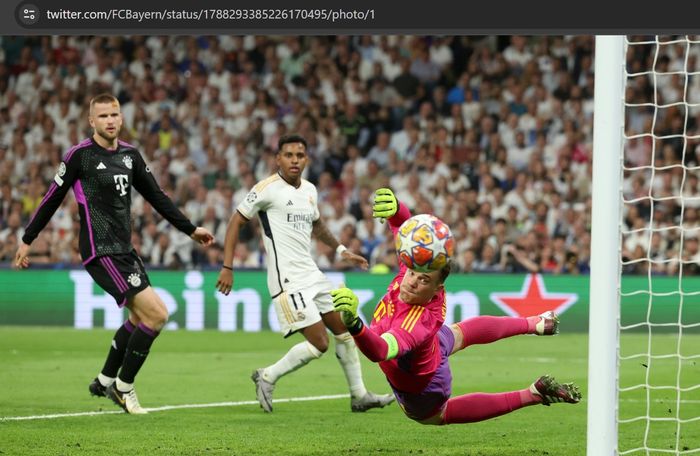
{"x":205,"y":14}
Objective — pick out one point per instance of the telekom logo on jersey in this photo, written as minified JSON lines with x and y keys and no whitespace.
{"x":122,"y":181}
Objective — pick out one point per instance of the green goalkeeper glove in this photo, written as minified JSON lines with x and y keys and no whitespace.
{"x":346,"y":302}
{"x":385,"y":203}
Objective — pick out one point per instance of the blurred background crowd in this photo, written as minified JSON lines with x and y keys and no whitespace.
{"x":491,"y":134}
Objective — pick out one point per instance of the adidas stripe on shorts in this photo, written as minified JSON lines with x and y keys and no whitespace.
{"x":120,"y":275}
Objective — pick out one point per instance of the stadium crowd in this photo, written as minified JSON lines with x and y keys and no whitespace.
{"x":491,"y":134}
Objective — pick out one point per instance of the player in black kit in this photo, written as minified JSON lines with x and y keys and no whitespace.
{"x":101,"y":170}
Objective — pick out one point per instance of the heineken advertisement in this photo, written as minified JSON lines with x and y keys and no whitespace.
{"x":71,"y":298}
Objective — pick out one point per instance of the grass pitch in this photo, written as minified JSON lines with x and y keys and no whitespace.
{"x":45,"y":371}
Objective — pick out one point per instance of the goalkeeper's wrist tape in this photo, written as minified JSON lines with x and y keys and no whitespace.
{"x":340,"y":249}
{"x":356,"y":327}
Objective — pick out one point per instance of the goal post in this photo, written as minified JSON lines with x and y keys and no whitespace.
{"x":644,"y":323}
{"x":605,"y":246}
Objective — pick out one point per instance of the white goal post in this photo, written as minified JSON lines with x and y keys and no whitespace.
{"x":605,"y":246}
{"x":644,"y":351}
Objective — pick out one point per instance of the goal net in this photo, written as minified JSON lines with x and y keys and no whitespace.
{"x":658,"y":386}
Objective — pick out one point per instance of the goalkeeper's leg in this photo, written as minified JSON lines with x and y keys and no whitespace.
{"x":475,"y":407}
{"x":486,"y":329}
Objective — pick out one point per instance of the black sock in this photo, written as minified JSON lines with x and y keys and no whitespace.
{"x":115,"y":357}
{"x":136,"y":352}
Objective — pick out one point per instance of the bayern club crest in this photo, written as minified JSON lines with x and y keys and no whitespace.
{"x":127,"y":161}
{"x":134,"y":280}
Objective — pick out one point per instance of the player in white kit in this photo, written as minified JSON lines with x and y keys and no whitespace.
{"x":287,"y":207}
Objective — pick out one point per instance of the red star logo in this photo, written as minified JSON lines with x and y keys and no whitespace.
{"x":533,"y":299}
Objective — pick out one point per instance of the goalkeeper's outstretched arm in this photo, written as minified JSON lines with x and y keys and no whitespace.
{"x":387,"y":207}
{"x":376,"y":348}
{"x":402,"y":214}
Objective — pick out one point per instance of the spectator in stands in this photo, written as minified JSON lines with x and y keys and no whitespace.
{"x":14,"y":228}
{"x":464,"y":100}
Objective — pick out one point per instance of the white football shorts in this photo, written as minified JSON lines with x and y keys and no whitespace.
{"x":299,"y":309}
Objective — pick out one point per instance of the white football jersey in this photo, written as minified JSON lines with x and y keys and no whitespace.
{"x":286,"y":215}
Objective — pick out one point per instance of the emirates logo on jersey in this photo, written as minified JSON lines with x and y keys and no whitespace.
{"x":127,"y":161}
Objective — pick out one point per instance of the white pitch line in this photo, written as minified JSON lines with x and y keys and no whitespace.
{"x":229,"y":404}
{"x":172,"y":407}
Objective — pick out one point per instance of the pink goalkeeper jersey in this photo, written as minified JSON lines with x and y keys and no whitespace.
{"x":415,"y":328}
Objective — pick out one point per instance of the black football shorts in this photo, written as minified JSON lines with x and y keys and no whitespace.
{"x":121,"y":275}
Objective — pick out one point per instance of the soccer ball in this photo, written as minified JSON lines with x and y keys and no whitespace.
{"x":424,"y":243}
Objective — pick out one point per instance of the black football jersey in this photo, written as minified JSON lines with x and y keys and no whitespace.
{"x":102,"y":180}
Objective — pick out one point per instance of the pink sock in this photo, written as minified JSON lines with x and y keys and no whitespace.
{"x":487,"y":329}
{"x":531,"y":323}
{"x":482,"y":406}
{"x":527,"y":398}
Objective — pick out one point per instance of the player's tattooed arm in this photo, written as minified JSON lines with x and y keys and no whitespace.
{"x":323,"y":234}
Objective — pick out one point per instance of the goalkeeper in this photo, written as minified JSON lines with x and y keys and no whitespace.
{"x":409,"y":340}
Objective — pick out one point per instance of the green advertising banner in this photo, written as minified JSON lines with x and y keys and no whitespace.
{"x":70,"y":298}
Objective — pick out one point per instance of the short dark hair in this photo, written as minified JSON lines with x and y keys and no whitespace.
{"x":288,"y":139}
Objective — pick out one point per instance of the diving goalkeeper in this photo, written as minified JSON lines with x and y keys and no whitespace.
{"x":409,"y":340}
